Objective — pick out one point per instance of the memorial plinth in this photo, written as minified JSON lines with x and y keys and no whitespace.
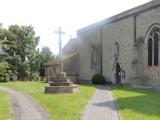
{"x":61,"y":85}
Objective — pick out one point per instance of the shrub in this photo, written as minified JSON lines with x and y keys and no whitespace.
{"x":34,"y":76}
{"x":5,"y":72}
{"x":98,"y":79}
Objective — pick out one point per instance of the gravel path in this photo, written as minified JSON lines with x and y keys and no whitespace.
{"x":24,"y":107}
{"x":102,"y":106}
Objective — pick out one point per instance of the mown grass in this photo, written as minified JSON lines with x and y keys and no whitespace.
{"x":137,"y":104}
{"x":5,"y":104}
{"x":59,"y":106}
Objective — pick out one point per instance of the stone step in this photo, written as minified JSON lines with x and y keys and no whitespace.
{"x":61,"y":89}
{"x":60,"y":84}
{"x":60,"y":80}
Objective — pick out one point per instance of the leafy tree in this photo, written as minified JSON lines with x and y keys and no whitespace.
{"x":42,"y":70}
{"x":18,"y":53}
{"x":19,"y":50}
{"x":5,"y":72}
{"x":47,"y":54}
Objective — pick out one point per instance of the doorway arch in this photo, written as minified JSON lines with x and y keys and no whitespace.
{"x":118,"y":73}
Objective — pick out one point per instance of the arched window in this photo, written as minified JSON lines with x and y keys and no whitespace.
{"x":156,"y":49}
{"x":153,"y":46}
{"x":150,"y":52}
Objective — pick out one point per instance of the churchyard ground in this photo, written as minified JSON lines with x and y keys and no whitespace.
{"x":5,"y":105}
{"x":134,"y":104}
{"x":59,"y":106}
{"x":137,"y":104}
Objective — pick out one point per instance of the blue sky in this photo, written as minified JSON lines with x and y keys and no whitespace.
{"x":47,"y":15}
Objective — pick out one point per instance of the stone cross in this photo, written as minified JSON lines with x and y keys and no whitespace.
{"x":60,"y":33}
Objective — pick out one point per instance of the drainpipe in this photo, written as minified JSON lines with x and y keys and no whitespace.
{"x":101,"y":64}
{"x":135,"y":34}
{"x":135,"y":27}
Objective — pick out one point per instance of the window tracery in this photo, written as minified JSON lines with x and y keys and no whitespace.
{"x":153,"y":46}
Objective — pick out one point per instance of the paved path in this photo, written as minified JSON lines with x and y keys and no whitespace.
{"x":102,"y":106}
{"x":24,"y":107}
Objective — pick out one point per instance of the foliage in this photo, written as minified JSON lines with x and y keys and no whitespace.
{"x":5,"y":104}
{"x":137,"y":104}
{"x":42,"y":70}
{"x":47,"y":54}
{"x":19,"y":45}
{"x":5,"y":72}
{"x":98,"y":79}
{"x":19,"y":50}
{"x":60,"y":107}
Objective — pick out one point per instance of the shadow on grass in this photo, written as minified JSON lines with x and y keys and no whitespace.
{"x":143,"y":101}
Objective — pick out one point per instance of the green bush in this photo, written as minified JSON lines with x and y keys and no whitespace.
{"x":5,"y":72}
{"x":98,"y":79}
{"x":34,"y":76}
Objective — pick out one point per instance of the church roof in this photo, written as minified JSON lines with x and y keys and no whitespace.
{"x":67,"y":46}
{"x":56,"y":62}
{"x":134,"y":11}
{"x":52,"y":63}
{"x":70,"y":47}
{"x":70,"y":55}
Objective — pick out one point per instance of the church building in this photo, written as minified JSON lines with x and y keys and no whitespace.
{"x":124,"y":48}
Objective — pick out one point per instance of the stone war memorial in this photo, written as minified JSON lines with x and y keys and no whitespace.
{"x":124,"y":48}
{"x":56,"y":77}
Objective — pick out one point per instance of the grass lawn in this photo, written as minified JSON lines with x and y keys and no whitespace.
{"x":60,"y":107}
{"x":137,"y":104}
{"x":5,"y":104}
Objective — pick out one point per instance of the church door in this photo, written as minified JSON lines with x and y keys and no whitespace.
{"x":118,"y":74}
